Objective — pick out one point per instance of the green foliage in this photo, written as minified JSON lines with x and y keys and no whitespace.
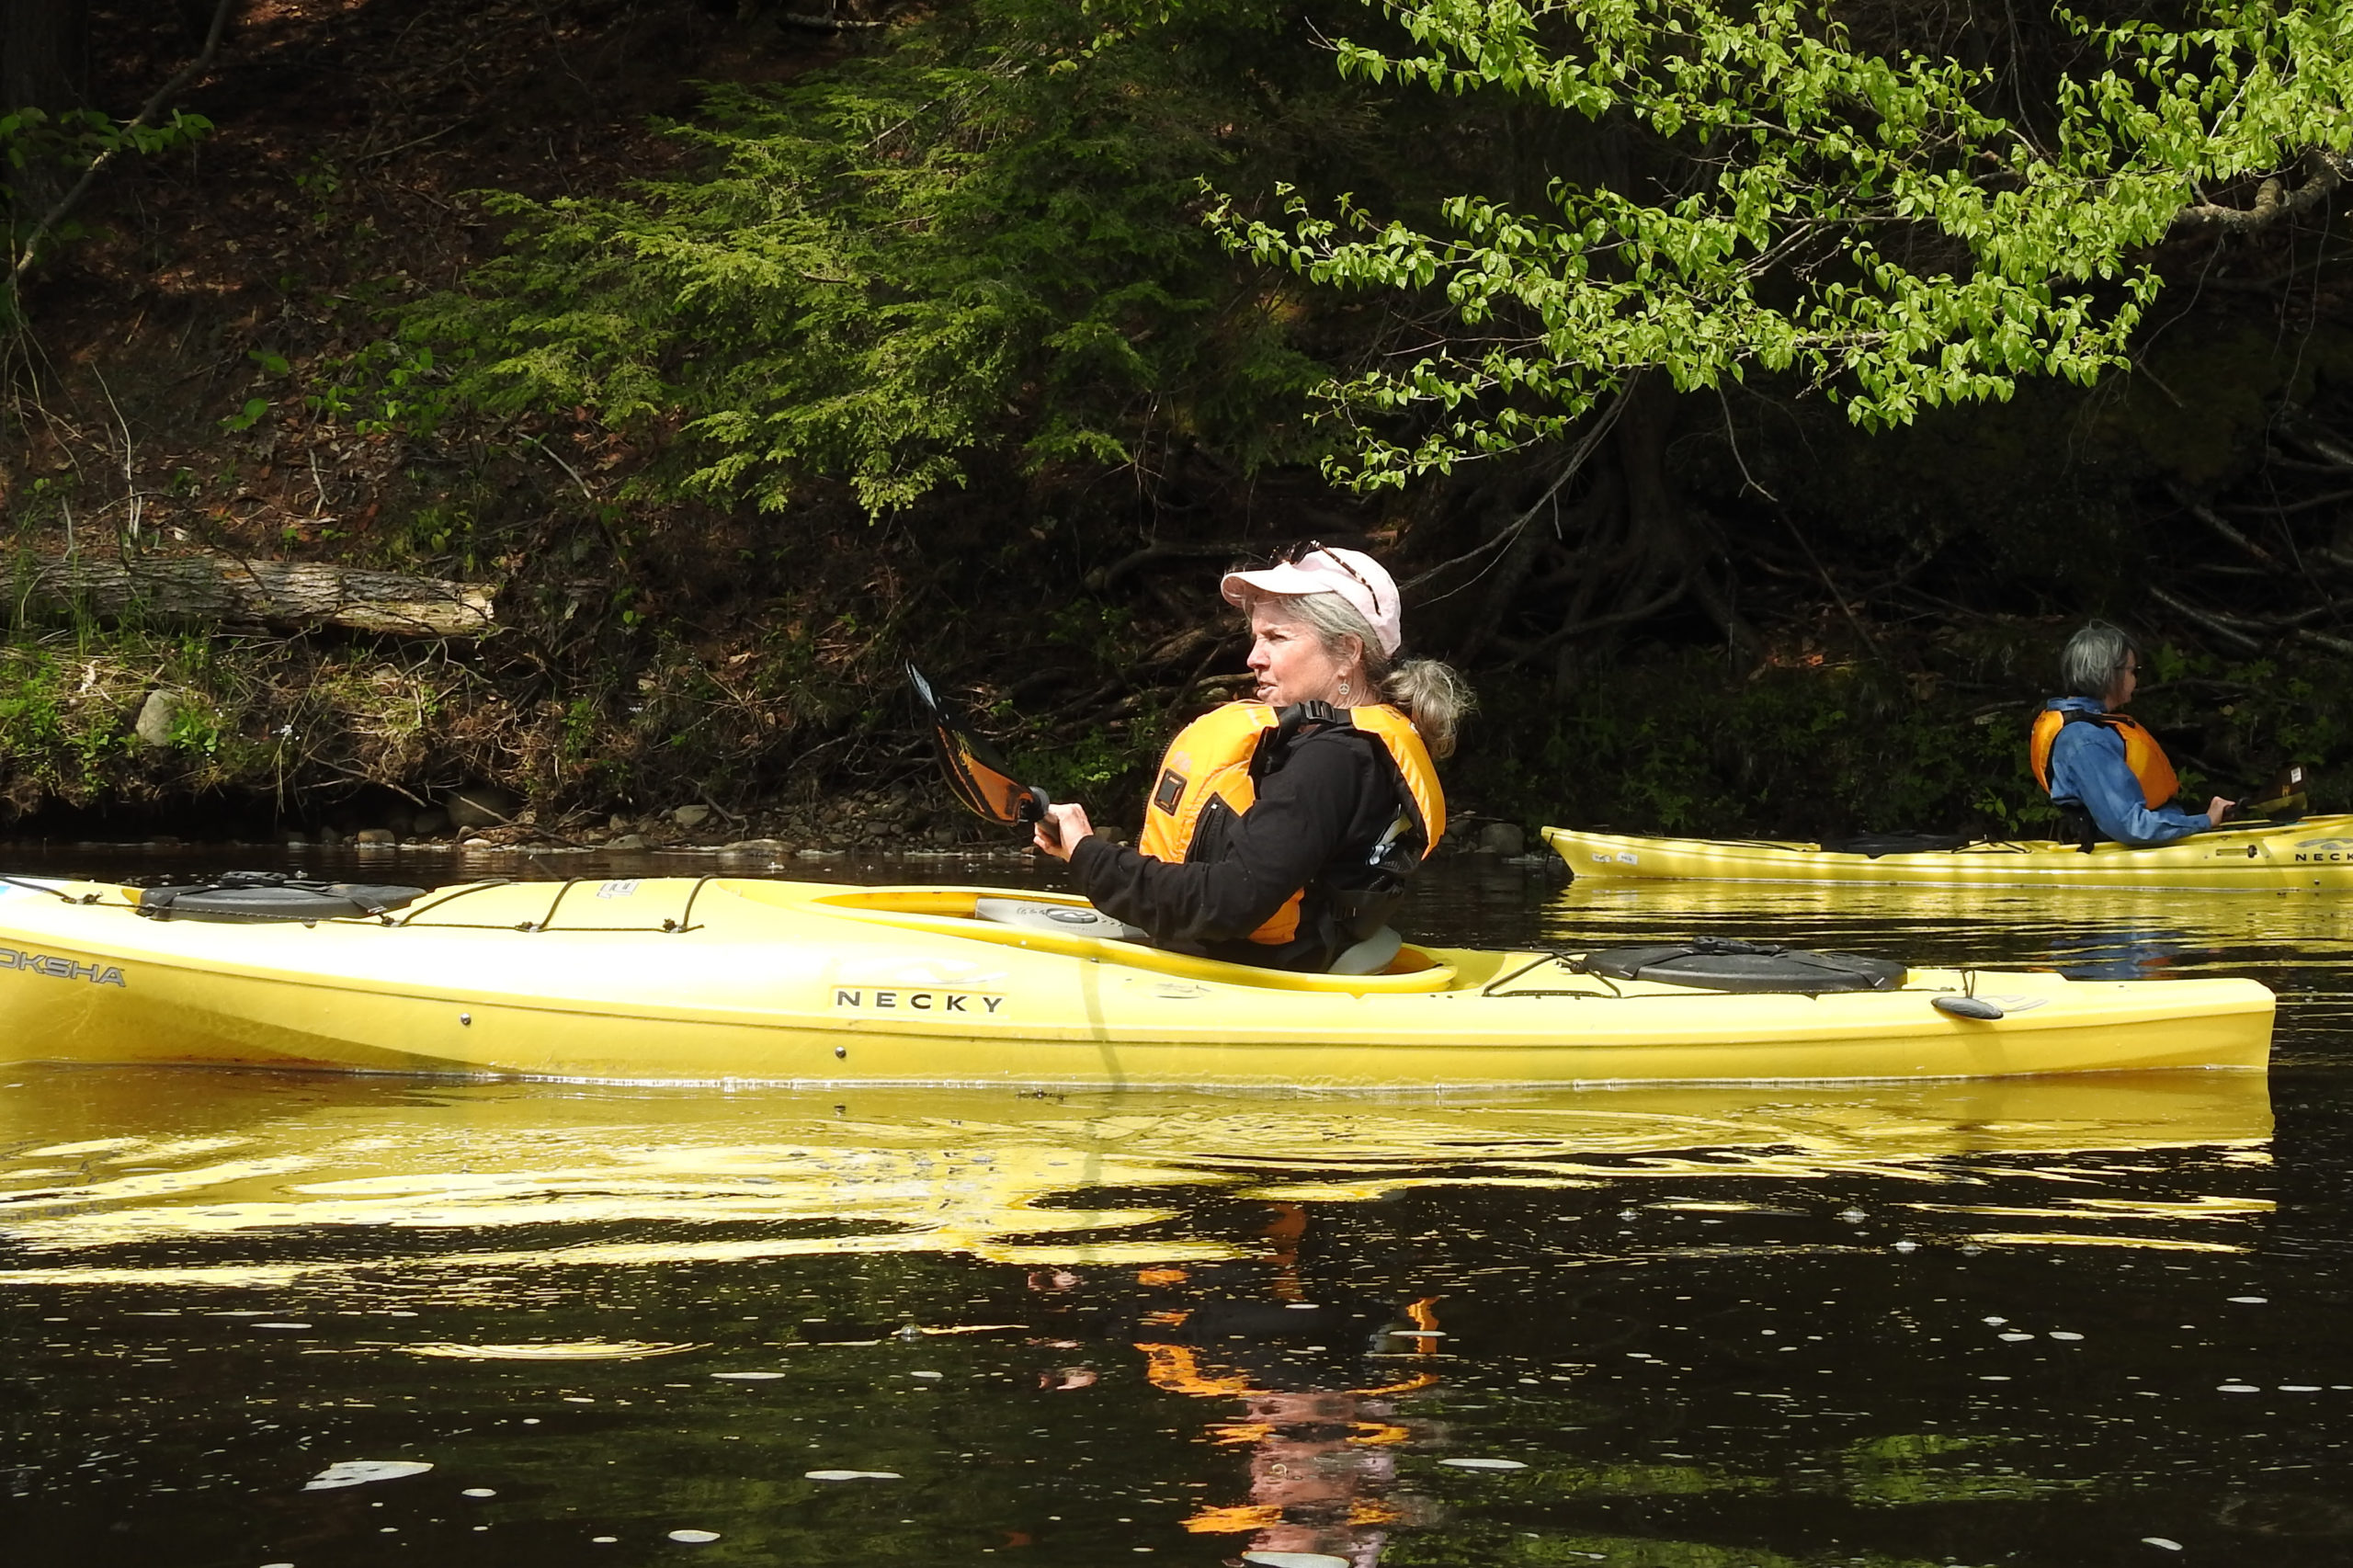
{"x":74,"y":138}
{"x":390,"y":387}
{"x":70,"y":139}
{"x":254,"y":412}
{"x":1796,"y":203}
{"x":60,"y":731}
{"x":1817,"y":747}
{"x":982,"y":236}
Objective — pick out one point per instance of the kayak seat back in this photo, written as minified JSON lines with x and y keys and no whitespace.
{"x":1371,"y":956}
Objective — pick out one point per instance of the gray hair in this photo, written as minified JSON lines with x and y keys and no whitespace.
{"x":2094,"y":658}
{"x":1432,"y":694}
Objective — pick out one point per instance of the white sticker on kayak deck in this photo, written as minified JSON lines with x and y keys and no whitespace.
{"x":623,"y":889}
{"x":1628,"y":857}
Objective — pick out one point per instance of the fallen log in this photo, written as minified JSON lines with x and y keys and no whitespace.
{"x":227,"y":590}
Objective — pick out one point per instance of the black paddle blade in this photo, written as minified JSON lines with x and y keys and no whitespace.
{"x":2284,"y":799}
{"x":979,"y":778}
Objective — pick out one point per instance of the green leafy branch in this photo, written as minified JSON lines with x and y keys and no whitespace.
{"x":1799,"y":204}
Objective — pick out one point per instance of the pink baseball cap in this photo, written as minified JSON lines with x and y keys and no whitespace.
{"x":1351,"y":573}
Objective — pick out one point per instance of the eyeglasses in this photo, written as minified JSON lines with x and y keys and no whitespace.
{"x":1293,"y":554}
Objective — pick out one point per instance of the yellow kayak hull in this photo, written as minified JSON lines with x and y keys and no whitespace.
{"x":740,"y":980}
{"x":2261,"y":858}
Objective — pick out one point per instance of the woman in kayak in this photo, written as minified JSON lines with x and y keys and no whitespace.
{"x":1281,"y":831}
{"x":2097,"y":763}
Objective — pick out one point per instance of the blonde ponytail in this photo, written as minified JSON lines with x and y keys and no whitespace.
{"x":1434,"y":696}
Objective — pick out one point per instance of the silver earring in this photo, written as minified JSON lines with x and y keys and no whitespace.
{"x":1343,"y":691}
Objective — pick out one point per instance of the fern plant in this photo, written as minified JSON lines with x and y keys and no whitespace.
{"x":984,"y":235}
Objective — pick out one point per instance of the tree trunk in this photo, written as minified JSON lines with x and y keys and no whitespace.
{"x":44,"y":54}
{"x":1659,"y":524}
{"x":44,"y":65}
{"x":223,"y":590}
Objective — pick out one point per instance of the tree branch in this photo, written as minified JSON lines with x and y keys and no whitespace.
{"x":822,"y":24}
{"x":2321,"y":639}
{"x":2273,"y":200}
{"x":2228,"y":633}
{"x":2340,"y":457}
{"x":1523,"y":652}
{"x":1570,"y":468}
{"x":1104,"y":579}
{"x":2221,"y":525}
{"x":180,"y":78}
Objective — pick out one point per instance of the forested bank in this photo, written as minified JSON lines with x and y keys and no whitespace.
{"x":599,"y":399}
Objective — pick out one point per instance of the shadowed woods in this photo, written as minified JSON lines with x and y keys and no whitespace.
{"x":981,"y":334}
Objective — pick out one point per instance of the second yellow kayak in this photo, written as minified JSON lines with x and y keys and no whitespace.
{"x":2317,"y":852}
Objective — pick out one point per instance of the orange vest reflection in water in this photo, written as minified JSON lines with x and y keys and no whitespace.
{"x":1323,"y":1463}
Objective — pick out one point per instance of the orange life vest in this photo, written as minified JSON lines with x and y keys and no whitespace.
{"x":1211,"y":758}
{"x":2142,"y":754}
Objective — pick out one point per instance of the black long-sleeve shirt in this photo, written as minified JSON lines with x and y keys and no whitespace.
{"x":1325,"y":804}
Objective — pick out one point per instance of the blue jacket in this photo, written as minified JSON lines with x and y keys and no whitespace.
{"x":2088,"y":769}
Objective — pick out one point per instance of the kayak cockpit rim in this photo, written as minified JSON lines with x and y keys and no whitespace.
{"x":950,"y":911}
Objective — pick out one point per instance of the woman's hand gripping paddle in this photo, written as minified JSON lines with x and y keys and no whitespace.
{"x":979,"y":778}
{"x":2282,"y":799}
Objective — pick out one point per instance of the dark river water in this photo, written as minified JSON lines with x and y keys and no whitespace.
{"x":252,"y":1318}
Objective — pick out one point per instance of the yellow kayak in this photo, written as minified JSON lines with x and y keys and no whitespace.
{"x":742,"y":980}
{"x":2317,"y":852}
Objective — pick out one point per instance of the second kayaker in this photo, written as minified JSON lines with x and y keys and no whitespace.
{"x":2099,"y":765}
{"x":1280,"y":832}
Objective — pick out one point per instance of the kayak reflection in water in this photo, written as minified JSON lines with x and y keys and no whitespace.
{"x":1281,"y":831}
{"x":2104,"y":771}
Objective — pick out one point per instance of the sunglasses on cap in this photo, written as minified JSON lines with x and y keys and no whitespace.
{"x":1291,"y":554}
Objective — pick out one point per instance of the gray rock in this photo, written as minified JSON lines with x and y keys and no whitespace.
{"x":375,"y":835}
{"x":480,"y":805}
{"x":691,"y":816}
{"x":155,"y":715}
{"x":1501,"y":838}
{"x":627,"y":841}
